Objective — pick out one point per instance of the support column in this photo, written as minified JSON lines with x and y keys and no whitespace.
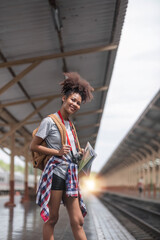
{"x":132,"y":178}
{"x":136,"y":177}
{"x":146,"y":179}
{"x":149,"y":185}
{"x":154,"y":177}
{"x":11,"y":196}
{"x":144,"y":176}
{"x":156,"y":180}
{"x":26,"y":195}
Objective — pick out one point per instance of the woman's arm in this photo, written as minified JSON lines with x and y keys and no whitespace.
{"x":36,"y":146}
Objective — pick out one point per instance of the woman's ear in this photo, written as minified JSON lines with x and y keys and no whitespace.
{"x":63,"y":98}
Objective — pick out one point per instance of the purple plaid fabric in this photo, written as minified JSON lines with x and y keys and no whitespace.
{"x":44,"y":189}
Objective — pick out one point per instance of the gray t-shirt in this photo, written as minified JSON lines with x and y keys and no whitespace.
{"x":48,"y":130}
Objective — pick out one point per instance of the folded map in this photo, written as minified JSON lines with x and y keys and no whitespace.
{"x":87,"y":159}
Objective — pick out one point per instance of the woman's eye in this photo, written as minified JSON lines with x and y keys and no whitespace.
{"x":74,"y":100}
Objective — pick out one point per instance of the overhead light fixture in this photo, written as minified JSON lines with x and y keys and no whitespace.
{"x":57,"y":19}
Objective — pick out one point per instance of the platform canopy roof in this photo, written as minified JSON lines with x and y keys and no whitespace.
{"x":141,"y":141}
{"x":39,"y":40}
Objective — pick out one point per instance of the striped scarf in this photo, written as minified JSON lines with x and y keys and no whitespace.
{"x":44,"y":189}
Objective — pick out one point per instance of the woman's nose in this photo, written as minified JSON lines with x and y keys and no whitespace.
{"x":77,"y":105}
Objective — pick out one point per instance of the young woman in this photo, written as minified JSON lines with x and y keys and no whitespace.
{"x":59,"y":180}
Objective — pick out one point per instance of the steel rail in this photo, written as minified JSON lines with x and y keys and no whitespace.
{"x":136,"y":219}
{"x":136,"y":206}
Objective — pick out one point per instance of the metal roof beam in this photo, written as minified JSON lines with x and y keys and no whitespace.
{"x":17,"y":149}
{"x":87,"y":126}
{"x":143,"y":148}
{"x":136,"y":156}
{"x":155,"y":142}
{"x":150,"y":148}
{"x":36,"y":99}
{"x":136,"y":148}
{"x":145,"y":144}
{"x":141,"y":151}
{"x":19,"y":77}
{"x":18,"y":83}
{"x":59,"y":55}
{"x":23,"y":122}
{"x":133,"y":154}
{"x":128,"y":161}
{"x":7,"y":118}
{"x":20,"y":124}
{"x":77,"y":128}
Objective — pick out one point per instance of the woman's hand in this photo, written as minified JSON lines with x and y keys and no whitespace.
{"x":81,"y":151}
{"x":64,"y":150}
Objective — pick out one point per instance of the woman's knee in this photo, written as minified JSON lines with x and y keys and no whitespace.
{"x":53,"y":220}
{"x":77,"y":223}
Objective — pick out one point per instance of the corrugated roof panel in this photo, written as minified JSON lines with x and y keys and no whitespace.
{"x":11,"y":93}
{"x":27,"y":29}
{"x":86,"y":23}
{"x":153,"y":114}
{"x":87,"y":66}
{"x":21,"y":113}
{"x":44,"y":79}
{"x":146,"y":122}
{"x":157,"y":126}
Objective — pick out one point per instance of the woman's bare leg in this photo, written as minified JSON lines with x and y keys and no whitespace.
{"x":76,"y":217}
{"x":54,"y":204}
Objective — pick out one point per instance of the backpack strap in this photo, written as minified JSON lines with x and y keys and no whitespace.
{"x":39,"y":160}
{"x":35,"y":131}
{"x":74,"y":129}
{"x":62,"y":129}
{"x":60,"y":126}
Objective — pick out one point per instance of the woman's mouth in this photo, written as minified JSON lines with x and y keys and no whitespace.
{"x":72,"y":108}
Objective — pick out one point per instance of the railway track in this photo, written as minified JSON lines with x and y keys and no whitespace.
{"x":142,"y":219}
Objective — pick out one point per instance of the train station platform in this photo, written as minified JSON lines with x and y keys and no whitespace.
{"x":24,"y":222}
{"x":135,"y":196}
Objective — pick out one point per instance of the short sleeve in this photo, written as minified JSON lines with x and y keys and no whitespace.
{"x":43,"y":130}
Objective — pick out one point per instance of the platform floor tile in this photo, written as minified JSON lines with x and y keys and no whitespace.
{"x":106,"y":225}
{"x":23,"y":222}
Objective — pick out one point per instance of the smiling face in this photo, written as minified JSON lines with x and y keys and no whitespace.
{"x":72,"y":103}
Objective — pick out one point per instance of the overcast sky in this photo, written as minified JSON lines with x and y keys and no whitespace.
{"x":135,"y":79}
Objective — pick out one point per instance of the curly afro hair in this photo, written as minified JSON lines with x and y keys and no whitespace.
{"x":74,"y":83}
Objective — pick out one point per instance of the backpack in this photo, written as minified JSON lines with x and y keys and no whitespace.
{"x":39,"y":160}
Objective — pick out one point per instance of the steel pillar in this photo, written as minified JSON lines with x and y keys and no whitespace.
{"x":11,"y":195}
